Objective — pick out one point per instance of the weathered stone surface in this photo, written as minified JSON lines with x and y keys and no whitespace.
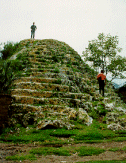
{"x":115,"y":122}
{"x":60,"y":87}
{"x":84,"y":117}
{"x":112,"y":117}
{"x":110,"y":106}
{"x":54,"y":124}
{"x":115,"y":126}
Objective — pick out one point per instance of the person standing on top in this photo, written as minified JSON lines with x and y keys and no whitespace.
{"x":102,"y":81}
{"x":33,"y":29}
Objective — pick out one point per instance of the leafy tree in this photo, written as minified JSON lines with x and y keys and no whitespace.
{"x":117,"y":66}
{"x":102,"y":51}
{"x":9,"y":49}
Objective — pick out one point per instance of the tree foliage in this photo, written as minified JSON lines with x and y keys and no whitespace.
{"x":117,"y":66}
{"x":9,"y":69}
{"x":9,"y":49}
{"x":102,"y":52}
{"x":6,"y":76}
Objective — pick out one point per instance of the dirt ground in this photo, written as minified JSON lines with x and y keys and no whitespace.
{"x":12,"y":149}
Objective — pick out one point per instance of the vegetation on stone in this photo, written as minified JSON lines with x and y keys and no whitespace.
{"x":51,"y":85}
{"x":102,"y":52}
{"x":56,"y":102}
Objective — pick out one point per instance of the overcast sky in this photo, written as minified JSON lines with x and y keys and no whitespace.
{"x":73,"y":21}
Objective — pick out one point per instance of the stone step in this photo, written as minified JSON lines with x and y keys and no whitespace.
{"x":35,"y":79}
{"x":31,"y":59}
{"x":42,"y":86}
{"x":49,"y":66}
{"x":40,"y":74}
{"x":48,"y":75}
{"x":46,"y":94}
{"x":54,"y":69}
{"x":17,"y":108}
{"x":45,"y":101}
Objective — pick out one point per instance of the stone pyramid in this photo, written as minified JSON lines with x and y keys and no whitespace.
{"x":56,"y":88}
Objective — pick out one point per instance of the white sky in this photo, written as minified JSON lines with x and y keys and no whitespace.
{"x":73,"y":21}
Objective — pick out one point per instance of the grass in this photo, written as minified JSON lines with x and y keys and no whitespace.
{"x":67,"y":151}
{"x":107,"y":161}
{"x":60,"y":151}
{"x":50,"y":151}
{"x":118,"y":149}
{"x":21,"y":157}
{"x":89,"y":134}
{"x":89,"y":151}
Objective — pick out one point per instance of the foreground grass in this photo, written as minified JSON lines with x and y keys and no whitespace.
{"x":67,"y":151}
{"x":21,"y":157}
{"x":54,"y":138}
{"x":107,"y":161}
{"x":90,"y":134}
{"x":62,"y":151}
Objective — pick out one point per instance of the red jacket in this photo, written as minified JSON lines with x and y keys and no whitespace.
{"x":103,"y":77}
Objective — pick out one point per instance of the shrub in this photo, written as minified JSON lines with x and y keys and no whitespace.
{"x":6,"y":75}
{"x":9,"y":49}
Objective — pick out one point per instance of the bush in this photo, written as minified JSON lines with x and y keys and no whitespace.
{"x":8,"y":70}
{"x":9,"y":49}
{"x":6,"y":75}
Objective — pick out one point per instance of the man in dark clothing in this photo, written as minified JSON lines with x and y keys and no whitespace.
{"x":102,"y":81}
{"x":33,"y":28}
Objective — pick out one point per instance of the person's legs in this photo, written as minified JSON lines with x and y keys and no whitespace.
{"x":101,"y":87}
{"x":33,"y":35}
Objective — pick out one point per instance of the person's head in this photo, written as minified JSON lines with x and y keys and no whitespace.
{"x":33,"y":23}
{"x":102,"y":71}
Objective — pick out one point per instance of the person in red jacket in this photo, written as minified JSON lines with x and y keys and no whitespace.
{"x":102,"y":81}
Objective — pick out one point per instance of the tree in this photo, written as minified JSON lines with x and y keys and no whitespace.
{"x":9,"y":49}
{"x":117,"y":66}
{"x":102,"y":51}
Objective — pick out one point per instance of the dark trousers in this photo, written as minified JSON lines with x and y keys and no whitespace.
{"x":32,"y":34}
{"x":101,"y":87}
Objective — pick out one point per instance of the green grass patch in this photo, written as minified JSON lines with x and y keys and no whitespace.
{"x":95,"y":133}
{"x":28,"y":136}
{"x":21,"y":158}
{"x":117,"y":149}
{"x":114,"y":149}
{"x":89,"y":151}
{"x":63,"y":133}
{"x":107,"y":161}
{"x":119,"y":139}
{"x":50,"y":151}
{"x":67,"y":151}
